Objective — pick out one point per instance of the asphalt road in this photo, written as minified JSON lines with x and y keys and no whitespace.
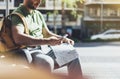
{"x":100,"y":60}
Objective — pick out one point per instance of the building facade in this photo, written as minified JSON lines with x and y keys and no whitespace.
{"x":52,"y":11}
{"x":101,"y":15}
{"x":47,"y":7}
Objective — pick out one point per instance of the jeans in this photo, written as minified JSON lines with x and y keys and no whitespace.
{"x":47,"y":61}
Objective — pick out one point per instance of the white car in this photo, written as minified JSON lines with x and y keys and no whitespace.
{"x":109,"y":34}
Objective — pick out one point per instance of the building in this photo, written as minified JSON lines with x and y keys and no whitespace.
{"x":49,"y":8}
{"x":100,"y":15}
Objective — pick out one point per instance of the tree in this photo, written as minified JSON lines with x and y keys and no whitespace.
{"x":71,"y":3}
{"x":75,"y":4}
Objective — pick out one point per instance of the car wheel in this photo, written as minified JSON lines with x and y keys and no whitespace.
{"x":98,"y":39}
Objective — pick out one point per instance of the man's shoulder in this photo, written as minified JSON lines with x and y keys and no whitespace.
{"x":17,"y":11}
{"x":15,"y":18}
{"x":38,"y":12}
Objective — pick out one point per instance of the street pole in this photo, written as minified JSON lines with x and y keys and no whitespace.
{"x":63,"y":14}
{"x":101,"y":22}
{"x":7,"y":7}
{"x":63,"y":31}
{"x":54,"y":15}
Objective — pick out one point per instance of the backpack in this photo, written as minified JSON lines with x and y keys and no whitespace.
{"x":6,"y":41}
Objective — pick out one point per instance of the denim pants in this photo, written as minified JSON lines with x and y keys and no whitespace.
{"x":47,"y":60}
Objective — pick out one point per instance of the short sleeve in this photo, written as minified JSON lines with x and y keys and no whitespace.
{"x":16,"y":20}
{"x":43,"y":20}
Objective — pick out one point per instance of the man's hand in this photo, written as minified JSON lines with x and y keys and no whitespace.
{"x":57,"y":41}
{"x":54,"y":41}
{"x":67,"y":40}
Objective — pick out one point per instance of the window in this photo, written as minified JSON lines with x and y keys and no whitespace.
{"x":43,"y":3}
{"x":113,"y":12}
{"x":17,"y":2}
{"x":118,"y":11}
{"x":94,"y":12}
{"x":1,"y":0}
{"x":97,"y":0}
{"x":49,"y":3}
{"x":51,"y":17}
{"x":105,"y":12}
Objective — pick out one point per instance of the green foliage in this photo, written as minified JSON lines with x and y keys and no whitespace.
{"x":42,"y":3}
{"x":72,"y":3}
{"x":75,"y":4}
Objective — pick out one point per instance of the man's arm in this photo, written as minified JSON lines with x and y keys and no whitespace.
{"x":23,"y":39}
{"x":48,"y":34}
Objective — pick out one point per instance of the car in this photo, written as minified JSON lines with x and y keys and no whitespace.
{"x":109,"y":34}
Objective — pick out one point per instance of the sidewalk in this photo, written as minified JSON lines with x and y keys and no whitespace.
{"x":99,"y":60}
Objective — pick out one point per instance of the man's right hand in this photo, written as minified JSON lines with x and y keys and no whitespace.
{"x":54,"y":41}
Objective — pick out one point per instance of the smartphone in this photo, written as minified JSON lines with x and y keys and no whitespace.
{"x":65,"y":36}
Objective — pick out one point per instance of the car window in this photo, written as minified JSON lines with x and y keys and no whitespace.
{"x":117,"y":33}
{"x":112,"y":33}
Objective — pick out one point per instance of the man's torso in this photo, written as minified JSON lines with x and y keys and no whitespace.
{"x":33,"y":20}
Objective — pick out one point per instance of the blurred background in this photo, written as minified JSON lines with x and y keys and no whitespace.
{"x":82,"y":19}
{"x":61,"y":16}
{"x":79,"y":18}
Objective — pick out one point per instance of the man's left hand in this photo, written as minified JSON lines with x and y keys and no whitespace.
{"x":69,"y":41}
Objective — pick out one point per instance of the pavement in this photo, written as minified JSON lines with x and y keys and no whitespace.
{"x":98,"y":60}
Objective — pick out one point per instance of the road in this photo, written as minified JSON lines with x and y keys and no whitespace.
{"x":100,"y":60}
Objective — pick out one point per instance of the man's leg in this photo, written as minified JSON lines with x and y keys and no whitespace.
{"x":43,"y":61}
{"x":74,"y":69}
{"x":35,"y":57}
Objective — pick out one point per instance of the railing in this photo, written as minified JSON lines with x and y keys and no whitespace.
{"x":104,"y":1}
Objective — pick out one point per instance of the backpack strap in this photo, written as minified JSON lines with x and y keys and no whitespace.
{"x":1,"y":23}
{"x":6,"y":41}
{"x":24,"y":21}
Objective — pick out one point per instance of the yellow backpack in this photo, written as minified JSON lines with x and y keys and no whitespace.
{"x":6,"y":41}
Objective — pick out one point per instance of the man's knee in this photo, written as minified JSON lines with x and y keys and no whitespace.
{"x":41,"y":60}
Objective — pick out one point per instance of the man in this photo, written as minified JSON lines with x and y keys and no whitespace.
{"x":40,"y":35}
